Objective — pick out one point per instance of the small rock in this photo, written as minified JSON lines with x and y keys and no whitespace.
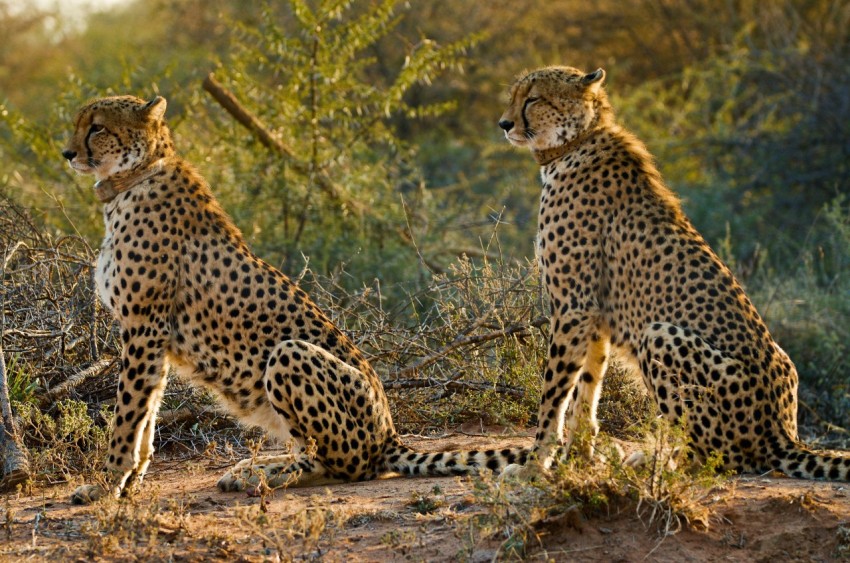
{"x":483,"y":556}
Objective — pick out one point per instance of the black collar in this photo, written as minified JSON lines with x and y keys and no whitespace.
{"x":108,"y":189}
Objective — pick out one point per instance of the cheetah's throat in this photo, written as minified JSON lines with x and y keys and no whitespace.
{"x":545,"y":156}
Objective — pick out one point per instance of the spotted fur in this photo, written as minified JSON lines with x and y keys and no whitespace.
{"x":189,"y":294}
{"x":624,"y":267}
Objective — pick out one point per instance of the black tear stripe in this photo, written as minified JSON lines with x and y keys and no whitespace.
{"x":89,"y":153}
{"x":525,"y":119}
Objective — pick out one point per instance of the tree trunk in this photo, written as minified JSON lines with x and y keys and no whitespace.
{"x":14,"y":466}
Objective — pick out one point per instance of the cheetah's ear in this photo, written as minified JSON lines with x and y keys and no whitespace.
{"x":594,"y":79}
{"x":155,"y":109}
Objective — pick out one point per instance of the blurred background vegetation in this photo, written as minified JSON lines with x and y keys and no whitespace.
{"x":402,"y":207}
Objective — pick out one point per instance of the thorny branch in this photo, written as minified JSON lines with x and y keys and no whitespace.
{"x":48,"y":307}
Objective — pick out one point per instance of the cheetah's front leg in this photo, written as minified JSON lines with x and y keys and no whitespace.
{"x":141,"y":384}
{"x":578,"y":356}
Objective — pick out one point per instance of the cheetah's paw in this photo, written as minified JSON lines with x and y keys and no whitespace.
{"x":529,"y":472}
{"x":87,"y":494}
{"x":254,"y":476}
{"x":640,"y":459}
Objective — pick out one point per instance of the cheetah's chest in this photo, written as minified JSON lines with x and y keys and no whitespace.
{"x":103,"y":268}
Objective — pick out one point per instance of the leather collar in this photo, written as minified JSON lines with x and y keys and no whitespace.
{"x":107,"y":189}
{"x":546,"y":156}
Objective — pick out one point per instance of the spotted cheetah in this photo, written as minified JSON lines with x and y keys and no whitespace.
{"x":624,"y":268}
{"x":189,"y":294}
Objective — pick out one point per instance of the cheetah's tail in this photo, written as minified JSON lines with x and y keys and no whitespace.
{"x":798,"y":460}
{"x":404,"y":460}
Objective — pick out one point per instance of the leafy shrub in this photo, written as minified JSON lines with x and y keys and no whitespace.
{"x":65,"y":443}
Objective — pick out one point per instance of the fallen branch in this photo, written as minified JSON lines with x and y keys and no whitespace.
{"x":64,"y":388}
{"x":14,"y":465}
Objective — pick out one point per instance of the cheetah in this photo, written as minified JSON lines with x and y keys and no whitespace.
{"x":189,"y":294}
{"x":624,"y":269}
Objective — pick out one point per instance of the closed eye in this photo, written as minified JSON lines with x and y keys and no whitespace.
{"x":95,"y":128}
{"x":532,"y":100}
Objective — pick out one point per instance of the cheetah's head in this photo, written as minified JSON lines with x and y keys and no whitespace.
{"x":117,"y":134}
{"x":553,"y":105}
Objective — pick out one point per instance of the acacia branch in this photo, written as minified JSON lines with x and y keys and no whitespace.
{"x":244,"y":117}
{"x":248,"y":120}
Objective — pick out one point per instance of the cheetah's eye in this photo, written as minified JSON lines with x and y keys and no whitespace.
{"x":530,"y":101}
{"x":95,"y":128}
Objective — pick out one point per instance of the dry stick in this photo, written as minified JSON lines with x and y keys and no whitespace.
{"x":14,"y":466}
{"x":461,"y":341}
{"x":453,"y":385}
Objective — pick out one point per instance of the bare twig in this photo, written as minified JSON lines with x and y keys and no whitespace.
{"x":819,"y":420}
{"x":463,"y":341}
{"x":454,"y":385}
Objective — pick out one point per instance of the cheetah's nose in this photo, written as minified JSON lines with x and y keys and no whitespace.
{"x":506,"y":125}
{"x":69,"y":154}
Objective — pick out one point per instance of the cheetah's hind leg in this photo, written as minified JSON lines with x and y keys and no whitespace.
{"x":695,"y":383}
{"x":275,"y":472}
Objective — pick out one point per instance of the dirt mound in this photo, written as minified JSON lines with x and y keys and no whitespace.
{"x":179,"y":515}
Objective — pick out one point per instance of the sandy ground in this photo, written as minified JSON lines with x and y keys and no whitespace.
{"x":181,"y":516}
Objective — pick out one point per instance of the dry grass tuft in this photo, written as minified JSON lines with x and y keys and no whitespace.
{"x":664,"y":496}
